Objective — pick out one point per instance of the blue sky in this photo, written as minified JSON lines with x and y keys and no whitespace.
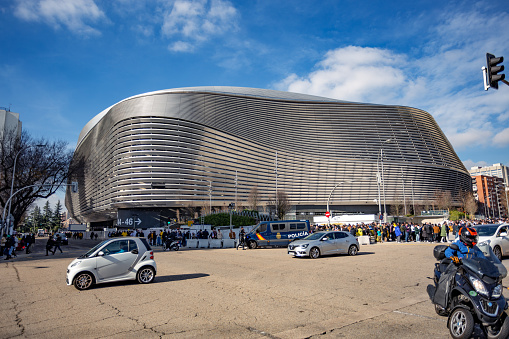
{"x":64,"y":61}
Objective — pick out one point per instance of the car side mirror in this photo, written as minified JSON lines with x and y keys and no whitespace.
{"x":325,"y":239}
{"x":135,"y":251}
{"x":100,"y":254}
{"x":503,"y":234}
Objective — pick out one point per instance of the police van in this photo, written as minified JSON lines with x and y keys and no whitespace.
{"x":277,"y":233}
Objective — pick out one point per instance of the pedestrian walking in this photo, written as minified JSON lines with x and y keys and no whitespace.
{"x":49,"y":244}
{"x":58,"y":242}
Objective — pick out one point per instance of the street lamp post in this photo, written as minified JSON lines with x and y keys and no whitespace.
{"x":9,"y":200}
{"x":210,"y":197}
{"x":382,"y":178}
{"x":12,"y":181}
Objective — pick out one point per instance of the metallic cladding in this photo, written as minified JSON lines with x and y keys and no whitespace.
{"x":192,"y":138}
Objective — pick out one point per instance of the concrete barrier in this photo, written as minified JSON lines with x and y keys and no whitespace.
{"x":228,"y":243}
{"x":215,"y":243}
{"x":203,"y":243}
{"x":192,"y":243}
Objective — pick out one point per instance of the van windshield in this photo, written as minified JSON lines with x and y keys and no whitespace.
{"x":262,"y":227}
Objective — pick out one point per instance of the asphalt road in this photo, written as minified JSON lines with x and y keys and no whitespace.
{"x":380,"y":293}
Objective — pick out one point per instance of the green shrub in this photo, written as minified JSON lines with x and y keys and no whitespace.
{"x":223,"y":219}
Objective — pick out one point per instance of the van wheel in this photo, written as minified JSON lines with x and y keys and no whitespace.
{"x":314,"y":253}
{"x":498,"y":252}
{"x":83,"y":281}
{"x":145,"y":275}
{"x":352,"y":250}
{"x":253,"y":244}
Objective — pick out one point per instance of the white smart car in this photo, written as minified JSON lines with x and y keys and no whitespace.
{"x":115,"y":259}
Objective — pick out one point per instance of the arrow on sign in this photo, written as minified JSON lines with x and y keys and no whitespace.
{"x":137,"y":222}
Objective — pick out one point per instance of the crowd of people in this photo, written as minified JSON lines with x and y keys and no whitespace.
{"x":386,"y":232}
{"x":9,"y":244}
{"x":408,"y":231}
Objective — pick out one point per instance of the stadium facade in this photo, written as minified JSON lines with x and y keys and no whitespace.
{"x":156,"y":152}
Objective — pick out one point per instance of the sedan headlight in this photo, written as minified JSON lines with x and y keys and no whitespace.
{"x":497,"y":292}
{"x":304,"y":246}
{"x":484,"y":243}
{"x":479,"y":286}
{"x":76,"y":263}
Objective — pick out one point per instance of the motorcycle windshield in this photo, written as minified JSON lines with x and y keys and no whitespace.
{"x":482,"y":267}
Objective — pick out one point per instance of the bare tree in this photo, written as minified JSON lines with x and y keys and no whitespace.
{"x":443,"y":200}
{"x":471,"y":205}
{"x":190,"y":211}
{"x":281,"y":205}
{"x":42,"y":167}
{"x":397,"y":206}
{"x":254,"y":198}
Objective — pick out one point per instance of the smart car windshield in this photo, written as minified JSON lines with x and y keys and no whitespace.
{"x":93,"y":249}
{"x":314,"y":236}
{"x":486,"y":230}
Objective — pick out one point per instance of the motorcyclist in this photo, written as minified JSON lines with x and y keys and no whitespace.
{"x":466,"y":246}
{"x":465,"y":249}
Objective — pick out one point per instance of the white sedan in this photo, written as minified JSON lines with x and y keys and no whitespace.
{"x":496,"y":236}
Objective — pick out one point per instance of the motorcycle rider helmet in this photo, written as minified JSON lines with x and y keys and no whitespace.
{"x":468,"y":236}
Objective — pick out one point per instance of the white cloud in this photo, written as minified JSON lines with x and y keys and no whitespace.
{"x":469,"y":164}
{"x":502,"y":138}
{"x":181,"y":46}
{"x":71,"y":14}
{"x":195,"y":21}
{"x":444,"y":79}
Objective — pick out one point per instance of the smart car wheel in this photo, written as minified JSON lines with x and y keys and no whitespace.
{"x":83,"y":281}
{"x":352,"y":250}
{"x":498,"y":252}
{"x":145,"y":275}
{"x":314,"y":253}
{"x":253,"y":244}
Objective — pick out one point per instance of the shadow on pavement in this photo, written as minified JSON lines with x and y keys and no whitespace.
{"x":178,"y":277}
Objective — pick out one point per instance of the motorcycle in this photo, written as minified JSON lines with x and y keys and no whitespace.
{"x":472,"y":294}
{"x":172,"y":245}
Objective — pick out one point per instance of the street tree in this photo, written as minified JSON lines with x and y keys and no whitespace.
{"x":281,"y":204}
{"x":254,"y":198}
{"x":40,"y":163}
{"x":471,"y":205}
{"x":56,"y":219}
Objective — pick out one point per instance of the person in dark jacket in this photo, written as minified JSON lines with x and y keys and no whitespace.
{"x":58,"y":242}
{"x":49,"y":244}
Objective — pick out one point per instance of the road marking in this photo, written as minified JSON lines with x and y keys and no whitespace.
{"x":419,"y":315}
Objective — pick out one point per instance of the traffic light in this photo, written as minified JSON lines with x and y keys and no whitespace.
{"x":493,"y":70}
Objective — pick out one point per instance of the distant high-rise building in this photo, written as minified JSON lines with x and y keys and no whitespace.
{"x":9,"y":121}
{"x":489,"y":191}
{"x":497,"y":170}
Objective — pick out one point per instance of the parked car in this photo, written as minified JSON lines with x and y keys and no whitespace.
{"x":496,"y":236}
{"x":115,"y":259}
{"x":324,"y":243}
{"x":63,"y":237}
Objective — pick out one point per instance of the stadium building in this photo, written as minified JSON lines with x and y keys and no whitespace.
{"x":143,"y":158}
